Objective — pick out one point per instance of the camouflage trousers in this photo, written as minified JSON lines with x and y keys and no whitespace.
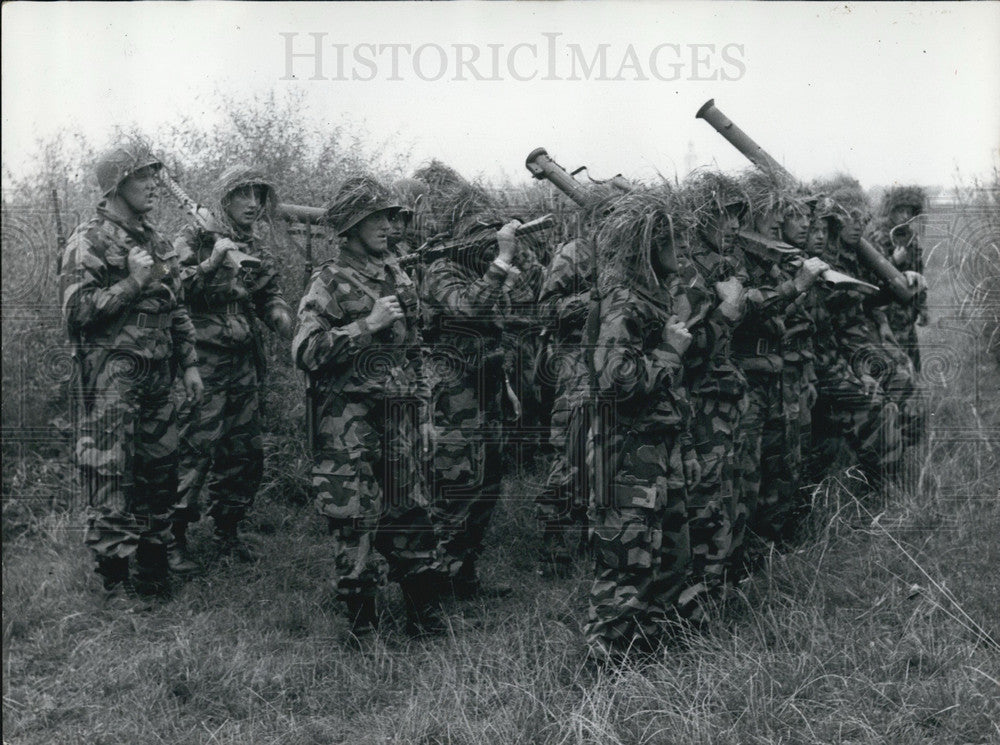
{"x":126,"y":451}
{"x":561,"y":505}
{"x":769,"y":453}
{"x":867,"y":425}
{"x":221,"y":439}
{"x":368,"y":486}
{"x":716,"y":518}
{"x":466,"y":468}
{"x":639,"y":536}
{"x":902,"y":386}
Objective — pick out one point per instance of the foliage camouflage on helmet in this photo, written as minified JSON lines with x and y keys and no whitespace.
{"x":238,"y":176}
{"x":769,"y":192}
{"x":454,"y":201}
{"x":843,"y":197}
{"x":358,"y":197}
{"x":904,"y":196}
{"x":708,"y":194}
{"x":636,"y":222}
{"x":120,"y":162}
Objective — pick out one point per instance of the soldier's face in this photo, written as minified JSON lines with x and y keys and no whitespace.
{"x":901,"y":214}
{"x":850,"y":230}
{"x":818,"y":235}
{"x":769,"y":225}
{"x":665,"y":257}
{"x":722,"y":229}
{"x":373,"y":233}
{"x":138,"y":191}
{"x":245,"y":205}
{"x":397,"y":228}
{"x":795,"y":227}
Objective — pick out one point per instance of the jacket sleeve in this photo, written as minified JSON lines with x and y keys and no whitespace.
{"x":183,"y":336}
{"x":447,"y":287}
{"x":325,"y":337}
{"x":565,"y":293}
{"x":624,"y":367}
{"x":266,"y":289}
{"x":191,"y":244}
{"x":89,"y":298}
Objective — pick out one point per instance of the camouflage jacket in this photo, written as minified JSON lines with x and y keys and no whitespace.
{"x":881,"y":237}
{"x":709,"y":368}
{"x":635,"y":364}
{"x":757,"y":340}
{"x":800,"y":326}
{"x":469,"y":310}
{"x":564,"y":298}
{"x":333,"y":342}
{"x":104,"y":307}
{"x":223,"y":302}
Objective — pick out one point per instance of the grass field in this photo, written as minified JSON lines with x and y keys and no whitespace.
{"x":882,"y":628}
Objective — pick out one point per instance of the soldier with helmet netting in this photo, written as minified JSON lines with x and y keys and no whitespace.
{"x":773,"y":347}
{"x":358,"y":338}
{"x":123,"y":304}
{"x":231,"y":284}
{"x":895,"y":234}
{"x":712,"y":303}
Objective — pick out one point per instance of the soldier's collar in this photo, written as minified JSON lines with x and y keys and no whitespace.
{"x":366,"y":264}
{"x":134,"y":225}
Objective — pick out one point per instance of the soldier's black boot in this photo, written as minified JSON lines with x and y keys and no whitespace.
{"x":113,"y":572}
{"x":228,"y":541}
{"x":466,"y":585}
{"x":362,"y":613}
{"x":178,"y":559}
{"x":152,"y":576}
{"x":422,"y":599}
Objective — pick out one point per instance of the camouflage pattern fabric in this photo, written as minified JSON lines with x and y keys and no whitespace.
{"x":638,"y":519}
{"x":873,"y":347}
{"x":468,"y":306}
{"x":371,"y":398}
{"x":221,"y":440}
{"x":768,"y":454}
{"x":851,"y":346}
{"x":564,"y":300}
{"x":130,"y":341}
{"x":903,"y":317}
{"x":717,"y":389}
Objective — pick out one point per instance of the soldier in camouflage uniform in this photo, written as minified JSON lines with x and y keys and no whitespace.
{"x":565,"y":301}
{"x":221,"y":440}
{"x":358,"y":338}
{"x":469,"y":301}
{"x":638,"y":512}
{"x":771,"y":346}
{"x":866,"y":381}
{"x":122,"y":301}
{"x":895,"y":236}
{"x":711,"y":304}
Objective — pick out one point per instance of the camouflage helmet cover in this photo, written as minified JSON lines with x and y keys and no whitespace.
{"x":120,"y":162}
{"x":904,"y":196}
{"x":358,"y":198}
{"x":238,"y":176}
{"x":710,"y":193}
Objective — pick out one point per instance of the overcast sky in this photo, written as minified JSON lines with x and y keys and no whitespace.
{"x":889,"y":92}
